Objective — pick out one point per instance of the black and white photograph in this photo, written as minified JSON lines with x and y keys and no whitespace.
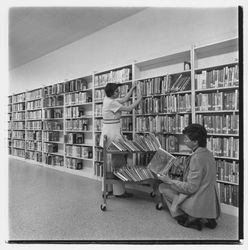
{"x":124,"y":124}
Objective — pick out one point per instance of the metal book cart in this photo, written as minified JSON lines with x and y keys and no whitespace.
{"x":110,"y":179}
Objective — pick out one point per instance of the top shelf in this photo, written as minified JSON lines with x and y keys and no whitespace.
{"x":163,"y":61}
{"x":222,"y":47}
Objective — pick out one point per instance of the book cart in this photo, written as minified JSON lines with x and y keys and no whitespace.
{"x":106,"y":179}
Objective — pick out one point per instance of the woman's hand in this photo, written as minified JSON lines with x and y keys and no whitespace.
{"x":165,"y":179}
{"x":139,"y":98}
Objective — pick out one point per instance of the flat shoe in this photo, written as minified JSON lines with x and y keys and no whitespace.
{"x":125,"y":195}
{"x":211,"y":223}
{"x":195,"y":224}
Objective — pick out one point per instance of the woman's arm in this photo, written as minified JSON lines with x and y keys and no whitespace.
{"x":132,"y":106}
{"x":128,"y":95}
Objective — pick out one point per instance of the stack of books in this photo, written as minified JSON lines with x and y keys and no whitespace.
{"x":141,"y":143}
{"x":133,"y":173}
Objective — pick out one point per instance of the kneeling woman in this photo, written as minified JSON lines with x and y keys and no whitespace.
{"x":194,"y":202}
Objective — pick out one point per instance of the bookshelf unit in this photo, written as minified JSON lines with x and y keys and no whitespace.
{"x":216,"y":74}
{"x":79,"y":125}
{"x":33,"y":132}
{"x":178,"y":88}
{"x":10,"y":125}
{"x":165,"y":83}
{"x":18,"y":125}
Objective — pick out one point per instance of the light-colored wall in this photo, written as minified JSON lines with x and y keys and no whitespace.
{"x":150,"y":33}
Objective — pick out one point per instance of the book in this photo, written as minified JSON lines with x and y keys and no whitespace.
{"x":161,"y":162}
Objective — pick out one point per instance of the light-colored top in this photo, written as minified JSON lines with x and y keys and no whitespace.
{"x":111,"y":120}
{"x":110,"y":109}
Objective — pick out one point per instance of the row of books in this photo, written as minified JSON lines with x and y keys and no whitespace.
{"x":34,"y":124}
{"x":98,"y":154}
{"x":73,"y":163}
{"x":126,"y":124}
{"x":74,"y":112}
{"x":34,"y":104}
{"x":33,"y":135}
{"x":18,"y":107}
{"x":74,"y":138}
{"x":34,"y":145}
{"x":18,"y":98}
{"x":79,"y":124}
{"x":98,"y":110}
{"x":224,"y":77}
{"x":19,"y":143}
{"x":53,"y":113}
{"x":9,"y":108}
{"x":17,"y":125}
{"x":226,"y":147}
{"x":164,"y":104}
{"x":222,"y":124}
{"x":133,"y":173}
{"x":18,"y":152}
{"x":217,"y":101}
{"x":229,"y":194}
{"x":142,"y":143}
{"x":227,"y":171}
{"x":54,"y":160}
{"x":53,"y":101}
{"x":99,"y":94}
{"x":9,"y":100}
{"x":121,"y":75}
{"x":77,"y":98}
{"x":35,"y":156}
{"x":35,"y":94}
{"x":165,"y":124}
{"x":34,"y":114}
{"x":50,"y":147}
{"x":51,"y":136}
{"x":78,"y":151}
{"x":18,"y":116}
{"x":98,"y":169}
{"x":141,"y":159}
{"x":163,"y":84}
{"x":169,"y":142}
{"x":53,"y":125}
{"x":64,"y":87}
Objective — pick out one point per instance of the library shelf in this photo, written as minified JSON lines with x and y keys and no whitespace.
{"x":196,"y":65}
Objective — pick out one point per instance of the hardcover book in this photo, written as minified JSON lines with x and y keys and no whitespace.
{"x":161,"y":162}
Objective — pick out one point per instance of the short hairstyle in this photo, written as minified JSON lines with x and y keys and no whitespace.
{"x":196,"y":132}
{"x":110,"y":89}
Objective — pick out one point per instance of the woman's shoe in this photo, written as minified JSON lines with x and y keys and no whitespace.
{"x":195,"y":224}
{"x":181,"y":218}
{"x":211,"y":223}
{"x":125,"y":195}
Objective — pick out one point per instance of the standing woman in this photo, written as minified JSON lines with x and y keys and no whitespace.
{"x":111,"y":111}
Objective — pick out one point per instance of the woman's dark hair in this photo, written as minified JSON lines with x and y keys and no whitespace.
{"x":110,"y":89}
{"x":196,"y":132}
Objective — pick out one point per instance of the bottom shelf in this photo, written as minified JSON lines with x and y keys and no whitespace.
{"x":85,"y":172}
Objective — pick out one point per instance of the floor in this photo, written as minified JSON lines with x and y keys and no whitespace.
{"x":46,"y":204}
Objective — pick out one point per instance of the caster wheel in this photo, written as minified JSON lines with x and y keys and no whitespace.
{"x":103,"y":207}
{"x":159,"y":206}
{"x":152,"y":194}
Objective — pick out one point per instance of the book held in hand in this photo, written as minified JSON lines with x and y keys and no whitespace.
{"x":161,"y":162}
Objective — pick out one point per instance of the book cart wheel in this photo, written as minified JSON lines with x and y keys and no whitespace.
{"x":152,"y":194}
{"x":159,"y":206}
{"x":103,"y":207}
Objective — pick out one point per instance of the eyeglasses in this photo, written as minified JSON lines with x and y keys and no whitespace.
{"x":186,"y":139}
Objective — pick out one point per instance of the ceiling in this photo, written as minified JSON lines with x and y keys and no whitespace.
{"x":37,"y":31}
